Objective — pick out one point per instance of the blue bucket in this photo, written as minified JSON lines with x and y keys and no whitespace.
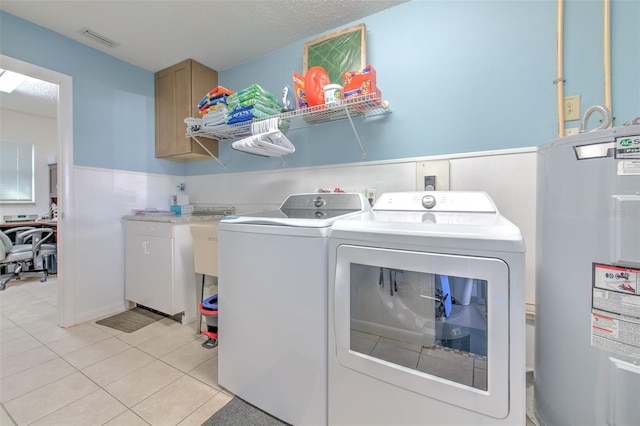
{"x":211,"y":303}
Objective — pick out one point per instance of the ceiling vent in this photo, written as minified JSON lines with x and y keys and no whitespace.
{"x":89,"y":33}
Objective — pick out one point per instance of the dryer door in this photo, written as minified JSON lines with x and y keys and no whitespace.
{"x":435,"y":324}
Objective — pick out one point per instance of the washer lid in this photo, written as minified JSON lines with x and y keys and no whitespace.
{"x":457,"y":220}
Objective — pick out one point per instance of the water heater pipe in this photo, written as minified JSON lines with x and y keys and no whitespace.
{"x":607,"y":53}
{"x":560,"y":69}
{"x":607,"y":118}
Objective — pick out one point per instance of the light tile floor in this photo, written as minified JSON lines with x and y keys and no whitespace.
{"x":94,"y":375}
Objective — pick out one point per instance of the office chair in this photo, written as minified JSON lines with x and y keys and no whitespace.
{"x":18,"y":230}
{"x":22,"y":257}
{"x":46,"y":252}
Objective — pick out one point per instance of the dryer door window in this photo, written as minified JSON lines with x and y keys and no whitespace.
{"x":432,"y":323}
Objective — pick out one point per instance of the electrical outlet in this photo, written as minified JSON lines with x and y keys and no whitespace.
{"x":572,"y":108}
{"x":371,"y":195}
{"x":432,"y":175}
{"x":430,"y":183}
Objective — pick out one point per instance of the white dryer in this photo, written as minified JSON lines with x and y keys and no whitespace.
{"x":426,"y":313}
{"x":272,"y":289}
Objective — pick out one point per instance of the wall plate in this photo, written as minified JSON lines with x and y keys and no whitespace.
{"x":432,"y":173}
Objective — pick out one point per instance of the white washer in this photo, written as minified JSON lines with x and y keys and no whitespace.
{"x":399,"y":352}
{"x":272,"y":287}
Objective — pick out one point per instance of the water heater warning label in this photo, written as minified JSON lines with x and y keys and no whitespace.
{"x":615,"y":309}
{"x":628,"y":167}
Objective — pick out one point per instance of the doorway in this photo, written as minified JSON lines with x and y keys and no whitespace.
{"x":66,"y":237}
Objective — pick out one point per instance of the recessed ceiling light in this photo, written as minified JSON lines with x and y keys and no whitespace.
{"x":9,"y":80}
{"x":89,"y":33}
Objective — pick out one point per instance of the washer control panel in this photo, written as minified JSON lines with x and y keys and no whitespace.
{"x":436,"y":201}
{"x":429,"y":201}
{"x":326,"y":201}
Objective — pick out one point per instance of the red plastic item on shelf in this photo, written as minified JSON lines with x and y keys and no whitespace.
{"x":314,"y":81}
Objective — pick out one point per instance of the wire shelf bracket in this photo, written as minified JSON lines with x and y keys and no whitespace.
{"x":208,"y":152}
{"x":355,"y":132}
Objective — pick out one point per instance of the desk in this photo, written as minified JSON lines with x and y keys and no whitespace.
{"x":36,"y":224}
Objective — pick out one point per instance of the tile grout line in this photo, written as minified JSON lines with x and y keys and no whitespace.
{"x":130,"y":346}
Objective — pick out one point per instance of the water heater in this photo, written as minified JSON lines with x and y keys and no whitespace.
{"x":587,"y":361}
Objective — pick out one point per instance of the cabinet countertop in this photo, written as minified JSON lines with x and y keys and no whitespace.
{"x":168,"y":218}
{"x":202,"y":213}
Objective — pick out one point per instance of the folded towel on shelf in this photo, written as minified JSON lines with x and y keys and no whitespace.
{"x":216,"y":117}
{"x":214,"y":121}
{"x":266,"y":109}
{"x":253,"y":92}
{"x":240,"y":112}
{"x":250,"y":104}
{"x":215,"y":114}
{"x":242,"y":103}
{"x":206,"y":110}
{"x":254,"y":88}
{"x":209,"y":125}
{"x":241,"y":119}
{"x":246,"y":98}
{"x":210,"y":101}
{"x":219,"y":90}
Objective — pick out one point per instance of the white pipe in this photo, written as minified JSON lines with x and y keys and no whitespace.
{"x":607,"y":53}
{"x":559,"y":77}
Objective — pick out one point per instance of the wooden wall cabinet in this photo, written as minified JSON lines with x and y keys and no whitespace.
{"x":178,"y":89}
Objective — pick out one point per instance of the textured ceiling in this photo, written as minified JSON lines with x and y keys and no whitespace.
{"x":156,"y":34}
{"x":218,"y":33}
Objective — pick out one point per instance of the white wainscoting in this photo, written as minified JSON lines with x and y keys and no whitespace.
{"x":103,"y":197}
{"x":508,"y":176}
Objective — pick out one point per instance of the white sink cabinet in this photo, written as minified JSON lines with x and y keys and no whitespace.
{"x":159,"y":267}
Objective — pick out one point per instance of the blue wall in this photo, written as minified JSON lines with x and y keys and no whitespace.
{"x":460,"y":76}
{"x":113,"y":101}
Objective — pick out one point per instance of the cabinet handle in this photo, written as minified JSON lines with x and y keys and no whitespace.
{"x":145,"y":247}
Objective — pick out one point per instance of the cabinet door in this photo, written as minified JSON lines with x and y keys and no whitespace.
{"x":178,"y":89}
{"x":173,"y":97}
{"x":149,"y":272}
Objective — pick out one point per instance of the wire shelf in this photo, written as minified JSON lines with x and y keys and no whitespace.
{"x":356,"y":107}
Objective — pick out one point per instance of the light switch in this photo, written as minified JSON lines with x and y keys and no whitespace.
{"x":572,"y":108}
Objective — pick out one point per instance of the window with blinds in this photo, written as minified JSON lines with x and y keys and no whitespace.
{"x":16,"y":172}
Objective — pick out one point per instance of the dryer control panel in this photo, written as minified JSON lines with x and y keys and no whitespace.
{"x":436,"y":201}
{"x":326,"y":201}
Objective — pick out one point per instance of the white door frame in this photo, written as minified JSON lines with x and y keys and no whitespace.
{"x":66,"y":216}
